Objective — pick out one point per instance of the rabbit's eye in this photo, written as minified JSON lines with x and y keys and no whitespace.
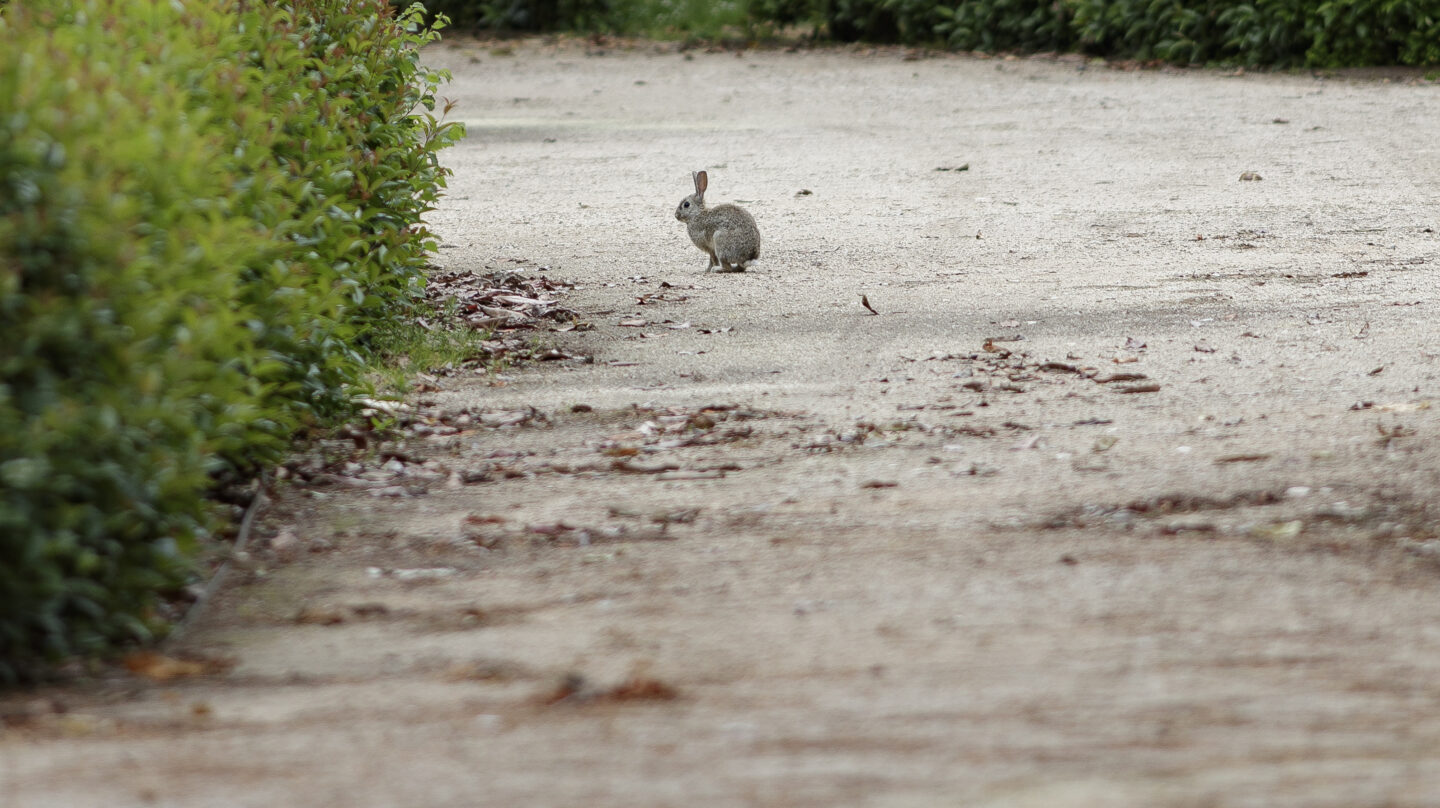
{"x":687,"y":204}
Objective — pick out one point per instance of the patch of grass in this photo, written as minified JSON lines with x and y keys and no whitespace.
{"x":403,"y":349}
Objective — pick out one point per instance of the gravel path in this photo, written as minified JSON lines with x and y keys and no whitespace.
{"x":1123,"y":498}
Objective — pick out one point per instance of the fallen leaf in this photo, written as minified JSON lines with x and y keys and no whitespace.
{"x":1061,"y":367}
{"x":715,"y":474}
{"x":1139,"y":388}
{"x":575,"y":689}
{"x":631,"y":467}
{"x":1120,"y":377}
{"x":866,"y":303}
{"x":1250,"y":176}
{"x":1192,"y":523}
{"x":161,"y":668}
{"x":1400,"y":406}
{"x":320,"y":616}
{"x":1242,"y":458}
{"x":1031,"y":442}
{"x":641,"y":688}
{"x":571,"y":687}
{"x":1278,"y":531}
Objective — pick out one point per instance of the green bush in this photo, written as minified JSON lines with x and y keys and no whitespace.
{"x":1163,"y":30}
{"x":204,"y":210}
{"x":117,"y":258}
{"x":1008,"y":25}
{"x":1372,"y":32}
{"x":1275,"y":33}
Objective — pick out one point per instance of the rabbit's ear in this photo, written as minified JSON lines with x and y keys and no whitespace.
{"x":701,"y":181}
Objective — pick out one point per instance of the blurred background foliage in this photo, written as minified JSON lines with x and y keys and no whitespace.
{"x":1262,"y":33}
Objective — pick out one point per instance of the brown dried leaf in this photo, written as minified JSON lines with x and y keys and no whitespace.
{"x":632,"y":467}
{"x":641,"y":688}
{"x":1062,"y":367}
{"x":161,"y":668}
{"x":320,"y":616}
{"x":572,"y":687}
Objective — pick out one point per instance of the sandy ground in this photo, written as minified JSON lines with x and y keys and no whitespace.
{"x":791,"y":553}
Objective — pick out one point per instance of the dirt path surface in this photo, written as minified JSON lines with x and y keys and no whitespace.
{"x":1122,"y":499}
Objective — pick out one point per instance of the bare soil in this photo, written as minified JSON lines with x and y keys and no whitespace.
{"x":1123,"y":498}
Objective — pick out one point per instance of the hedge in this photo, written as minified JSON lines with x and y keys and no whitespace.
{"x":1271,"y":33}
{"x":204,"y":210}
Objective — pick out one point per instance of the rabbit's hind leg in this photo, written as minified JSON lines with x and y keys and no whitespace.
{"x":729,"y":261}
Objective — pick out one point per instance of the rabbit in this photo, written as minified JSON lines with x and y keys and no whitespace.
{"x":725,"y":233}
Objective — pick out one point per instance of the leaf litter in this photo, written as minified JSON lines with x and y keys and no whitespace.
{"x":503,"y":303}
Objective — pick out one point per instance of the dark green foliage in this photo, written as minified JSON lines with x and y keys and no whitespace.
{"x":1272,"y":33}
{"x":343,"y":77}
{"x":529,"y":15}
{"x":203,"y":210}
{"x":1163,"y":30}
{"x":1009,"y":25}
{"x":1275,"y":33}
{"x":1373,"y":32}
{"x":780,"y":12}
